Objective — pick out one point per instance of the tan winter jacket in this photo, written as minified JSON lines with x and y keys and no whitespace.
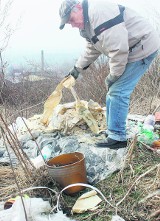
{"x":117,"y":32}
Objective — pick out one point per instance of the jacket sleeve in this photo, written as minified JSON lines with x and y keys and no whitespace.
{"x":89,"y":56}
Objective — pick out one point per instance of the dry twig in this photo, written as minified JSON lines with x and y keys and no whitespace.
{"x":19,"y":190}
{"x":128,"y":157}
{"x":142,"y":175}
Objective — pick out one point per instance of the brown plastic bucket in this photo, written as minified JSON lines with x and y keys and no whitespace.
{"x":68,"y":169}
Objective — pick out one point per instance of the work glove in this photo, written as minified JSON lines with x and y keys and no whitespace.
{"x":108,"y":83}
{"x":110,"y":80}
{"x":74,"y":72}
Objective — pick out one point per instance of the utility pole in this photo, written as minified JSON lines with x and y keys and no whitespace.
{"x":42,"y":62}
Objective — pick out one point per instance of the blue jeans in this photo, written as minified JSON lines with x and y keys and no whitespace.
{"x":118,"y":97}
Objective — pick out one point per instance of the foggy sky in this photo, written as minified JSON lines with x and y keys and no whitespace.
{"x":38,"y":26}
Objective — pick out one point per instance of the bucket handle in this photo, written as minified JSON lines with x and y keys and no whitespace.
{"x":81,"y":184}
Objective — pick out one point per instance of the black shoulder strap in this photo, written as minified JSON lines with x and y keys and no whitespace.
{"x":85,"y":10}
{"x":109,"y":24}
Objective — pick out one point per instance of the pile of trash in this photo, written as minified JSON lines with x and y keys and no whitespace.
{"x":99,"y":162}
{"x":76,"y":127}
{"x":24,"y":208}
{"x":147,"y":129}
{"x":69,"y":128}
{"x":66,"y":128}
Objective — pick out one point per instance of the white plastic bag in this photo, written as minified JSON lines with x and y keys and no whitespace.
{"x":21,"y":122}
{"x":55,"y":217}
{"x":117,"y":218}
{"x":5,"y":215}
{"x":33,"y":207}
{"x":38,"y":161}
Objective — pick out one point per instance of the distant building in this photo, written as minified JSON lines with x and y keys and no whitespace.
{"x":33,"y":77}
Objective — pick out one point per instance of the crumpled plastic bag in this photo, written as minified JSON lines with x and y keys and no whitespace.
{"x":33,"y":207}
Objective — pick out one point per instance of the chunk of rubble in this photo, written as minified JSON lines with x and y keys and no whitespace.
{"x":87,"y":201}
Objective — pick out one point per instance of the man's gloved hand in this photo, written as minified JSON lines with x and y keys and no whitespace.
{"x":74,"y":72}
{"x":110,"y":80}
{"x":108,"y":83}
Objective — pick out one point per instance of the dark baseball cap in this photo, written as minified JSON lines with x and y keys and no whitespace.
{"x":65,"y":10}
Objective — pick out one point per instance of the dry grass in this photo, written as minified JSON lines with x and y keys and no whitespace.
{"x":117,"y":185}
{"x":138,"y":179}
{"x":8,"y":185}
{"x":39,"y":178}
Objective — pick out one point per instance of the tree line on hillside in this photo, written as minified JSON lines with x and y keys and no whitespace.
{"x":90,"y":85}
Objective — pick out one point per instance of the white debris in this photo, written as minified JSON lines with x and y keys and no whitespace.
{"x":117,"y":218}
